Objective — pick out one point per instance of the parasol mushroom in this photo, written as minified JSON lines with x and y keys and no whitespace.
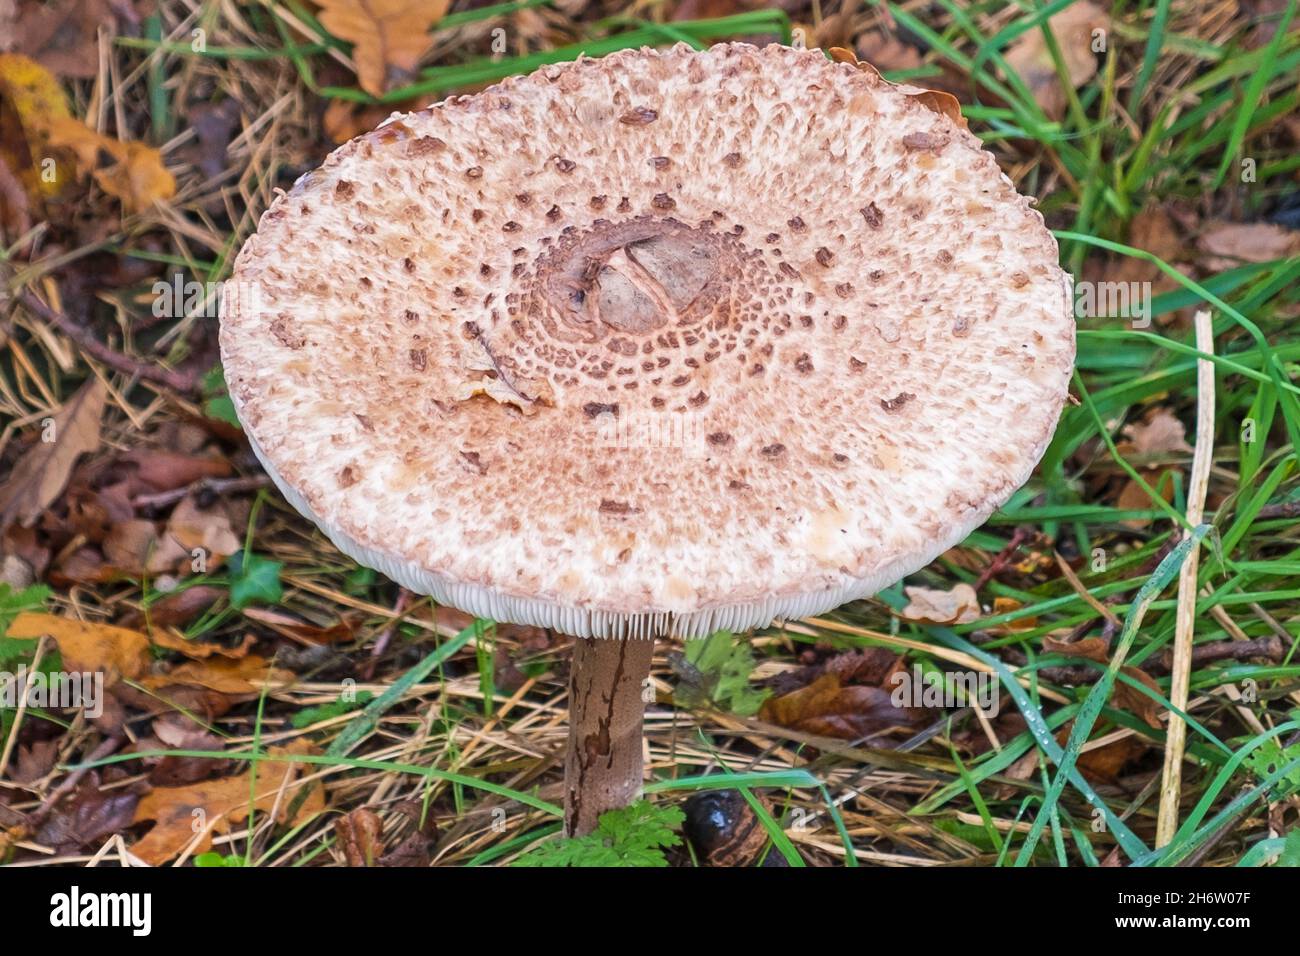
{"x":656,"y":344}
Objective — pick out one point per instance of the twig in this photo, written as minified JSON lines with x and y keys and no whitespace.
{"x":137,"y":368}
{"x":1003,"y":558}
{"x":217,"y":485}
{"x":1171,"y":786}
{"x":105,"y":749}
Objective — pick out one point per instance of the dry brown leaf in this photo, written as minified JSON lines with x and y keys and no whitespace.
{"x":1134,"y":701}
{"x":165,"y":470}
{"x":937,"y":101}
{"x":1161,"y":433}
{"x":133,"y":547}
{"x":1124,"y":697}
{"x":244,"y":675}
{"x":299,"y":630}
{"x":828,"y":708}
{"x":88,"y":646}
{"x":1133,"y":497}
{"x":191,"y":527}
{"x":932,"y":606}
{"x":64,"y":36}
{"x":201,"y":650}
{"x":388,"y":36}
{"x":1236,"y":242}
{"x":361,"y":836}
{"x":1073,"y":29}
{"x":71,"y":134}
{"x":176,"y":609}
{"x":1091,"y":648}
{"x":216,"y":806}
{"x":344,"y":120}
{"x":886,"y":52}
{"x":41,"y":475}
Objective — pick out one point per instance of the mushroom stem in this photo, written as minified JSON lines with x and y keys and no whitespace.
{"x":603,"y":768}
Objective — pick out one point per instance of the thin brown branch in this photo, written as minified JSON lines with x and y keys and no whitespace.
{"x":118,"y":361}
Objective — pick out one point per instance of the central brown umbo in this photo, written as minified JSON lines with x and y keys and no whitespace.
{"x":652,"y":346}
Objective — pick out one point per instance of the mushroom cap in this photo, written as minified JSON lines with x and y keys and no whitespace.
{"x":664,"y":342}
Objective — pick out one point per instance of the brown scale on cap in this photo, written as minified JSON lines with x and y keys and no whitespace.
{"x":718,"y":337}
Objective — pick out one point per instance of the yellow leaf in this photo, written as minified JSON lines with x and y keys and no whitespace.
{"x":138,"y":178}
{"x":388,"y":36}
{"x":135,"y":173}
{"x":66,"y":132}
{"x":88,"y":646}
{"x":30,"y":100}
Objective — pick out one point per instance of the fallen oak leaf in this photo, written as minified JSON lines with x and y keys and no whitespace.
{"x":245,"y":675}
{"x":42,"y":474}
{"x":117,"y":652}
{"x":388,"y":36}
{"x":201,"y":650}
{"x":218,"y":805}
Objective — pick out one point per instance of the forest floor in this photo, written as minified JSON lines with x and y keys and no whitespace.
{"x":272,"y":703}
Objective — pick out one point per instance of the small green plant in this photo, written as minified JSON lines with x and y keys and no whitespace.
{"x":17,"y":652}
{"x":635,"y":835}
{"x":254,"y":580}
{"x":213,"y":859}
{"x":1270,"y":757}
{"x":216,"y":397}
{"x":716,"y":671}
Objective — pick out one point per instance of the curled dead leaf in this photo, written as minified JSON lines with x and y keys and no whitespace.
{"x":937,"y":101}
{"x":932,"y":606}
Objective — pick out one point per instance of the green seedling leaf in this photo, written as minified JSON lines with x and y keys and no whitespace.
{"x":216,"y":397}
{"x":635,"y":835}
{"x":254,"y":580}
{"x":716,"y":671}
{"x":1268,"y":758}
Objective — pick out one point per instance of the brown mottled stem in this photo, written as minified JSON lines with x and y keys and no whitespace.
{"x":603,"y":768}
